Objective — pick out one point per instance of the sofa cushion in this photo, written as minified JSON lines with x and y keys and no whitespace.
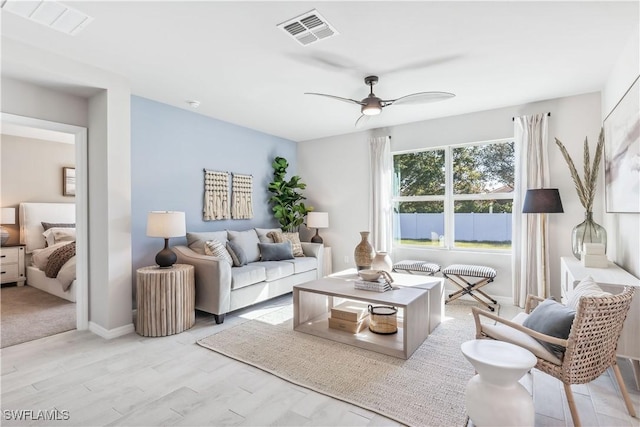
{"x":248,"y":241}
{"x":247,"y":275}
{"x":275,"y":270}
{"x":263,"y":234}
{"x":275,"y":251}
{"x":302,"y":264}
{"x":195,"y":240}
{"x":553,"y":319}
{"x":237,"y":254}
{"x":218,"y":250}
{"x":586,"y":288}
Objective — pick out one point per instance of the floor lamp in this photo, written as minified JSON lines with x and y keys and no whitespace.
{"x":543,"y":201}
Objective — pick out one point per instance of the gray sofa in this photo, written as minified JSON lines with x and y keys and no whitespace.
{"x":222,"y":288}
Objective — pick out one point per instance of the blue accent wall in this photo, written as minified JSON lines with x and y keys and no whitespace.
{"x":170,"y":147}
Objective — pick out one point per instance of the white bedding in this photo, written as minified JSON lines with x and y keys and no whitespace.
{"x":31,"y":234}
{"x":67,"y":273}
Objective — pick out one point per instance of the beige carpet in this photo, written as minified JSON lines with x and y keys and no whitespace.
{"x":29,"y":313}
{"x":426,"y":390}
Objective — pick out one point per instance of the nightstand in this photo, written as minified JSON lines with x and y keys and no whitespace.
{"x":12,"y":264}
{"x":166,"y":300}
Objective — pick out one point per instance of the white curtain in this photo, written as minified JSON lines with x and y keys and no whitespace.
{"x":530,"y":260}
{"x":380,"y":217}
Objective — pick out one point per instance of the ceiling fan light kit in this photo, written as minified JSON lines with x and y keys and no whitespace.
{"x":372,"y":105}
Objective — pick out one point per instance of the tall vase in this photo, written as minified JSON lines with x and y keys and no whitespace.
{"x":364,"y":253}
{"x":588,"y":231}
{"x":382,"y":261}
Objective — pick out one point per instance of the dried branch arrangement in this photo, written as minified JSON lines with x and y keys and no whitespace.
{"x":585,"y":187}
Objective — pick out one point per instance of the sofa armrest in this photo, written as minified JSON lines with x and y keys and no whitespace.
{"x":315,"y":250}
{"x":213,"y":280}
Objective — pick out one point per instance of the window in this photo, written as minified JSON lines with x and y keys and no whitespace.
{"x":455,"y":197}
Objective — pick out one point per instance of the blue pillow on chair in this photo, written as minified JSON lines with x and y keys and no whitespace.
{"x":553,"y":319}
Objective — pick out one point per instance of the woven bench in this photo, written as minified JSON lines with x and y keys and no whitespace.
{"x":412,"y":266}
{"x":456,"y":274}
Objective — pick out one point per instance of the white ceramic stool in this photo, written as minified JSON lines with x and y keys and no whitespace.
{"x":494,"y":397}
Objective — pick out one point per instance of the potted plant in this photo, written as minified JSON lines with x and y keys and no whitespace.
{"x":588,"y":231}
{"x":288,"y":206}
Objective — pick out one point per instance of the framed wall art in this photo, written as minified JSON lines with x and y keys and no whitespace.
{"x":622,"y":153}
{"x":69,"y":182}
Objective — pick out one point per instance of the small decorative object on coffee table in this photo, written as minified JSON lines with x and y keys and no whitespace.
{"x":364,"y":253}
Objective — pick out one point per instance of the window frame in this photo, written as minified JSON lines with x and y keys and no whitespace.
{"x":449,"y":197}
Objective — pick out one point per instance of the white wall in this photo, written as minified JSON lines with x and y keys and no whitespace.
{"x":336,"y":171}
{"x":623,"y":228}
{"x":31,"y":171}
{"x":106,"y":113}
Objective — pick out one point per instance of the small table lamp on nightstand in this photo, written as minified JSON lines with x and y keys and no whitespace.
{"x":8,"y":216}
{"x":317,"y":220}
{"x":166,"y":224}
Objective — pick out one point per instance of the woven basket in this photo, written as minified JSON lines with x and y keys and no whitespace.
{"x":383,"y":319}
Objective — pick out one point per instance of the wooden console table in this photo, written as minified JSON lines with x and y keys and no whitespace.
{"x":165,"y":299}
{"x":610,"y":279}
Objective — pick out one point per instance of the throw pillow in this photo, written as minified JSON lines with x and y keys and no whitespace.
{"x":195,"y":240}
{"x":276,"y":236}
{"x":248,"y":241}
{"x":553,"y":319}
{"x":217,"y":249}
{"x":55,"y":235}
{"x":276,"y":251}
{"x":237,"y":254}
{"x":586,"y":288}
{"x":294,"y":238}
{"x":263,"y":234}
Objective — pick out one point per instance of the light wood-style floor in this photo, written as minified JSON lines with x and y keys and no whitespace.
{"x":134,"y":380}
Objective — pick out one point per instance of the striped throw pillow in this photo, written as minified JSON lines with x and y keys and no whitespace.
{"x":217,"y":249}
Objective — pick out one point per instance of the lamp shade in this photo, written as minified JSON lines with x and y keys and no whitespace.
{"x":8,"y":216}
{"x":542,"y":200}
{"x":166,"y":224}
{"x":318,"y":220}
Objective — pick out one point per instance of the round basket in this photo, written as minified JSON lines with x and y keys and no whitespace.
{"x":383,"y":319}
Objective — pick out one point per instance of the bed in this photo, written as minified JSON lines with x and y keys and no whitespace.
{"x":60,"y":215}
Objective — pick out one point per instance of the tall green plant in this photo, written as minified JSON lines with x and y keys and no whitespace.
{"x":288,"y":206}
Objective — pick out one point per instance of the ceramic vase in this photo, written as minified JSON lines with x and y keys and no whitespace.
{"x":364,"y":253}
{"x":382,"y":261}
{"x":587,"y":231}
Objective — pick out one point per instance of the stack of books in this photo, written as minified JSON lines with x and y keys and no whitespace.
{"x":382,"y":286}
{"x":350,"y":316}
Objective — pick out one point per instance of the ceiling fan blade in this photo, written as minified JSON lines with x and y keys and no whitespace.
{"x":420,"y":98}
{"x":339,"y":98}
{"x":362,"y":121}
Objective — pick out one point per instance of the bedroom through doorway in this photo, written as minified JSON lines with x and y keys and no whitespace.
{"x":42,"y":182}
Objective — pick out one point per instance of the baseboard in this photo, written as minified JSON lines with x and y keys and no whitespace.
{"x":111,"y":333}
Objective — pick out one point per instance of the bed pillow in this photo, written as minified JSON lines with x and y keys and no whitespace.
{"x":237,"y":254}
{"x":248,"y":241}
{"x":48,"y":225}
{"x":59,"y":234}
{"x":217,"y":249}
{"x":276,"y":251}
{"x":586,"y":288}
{"x":553,"y":319}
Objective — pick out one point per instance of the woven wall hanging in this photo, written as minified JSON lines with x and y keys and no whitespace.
{"x":241,"y":200}
{"x":216,"y":195}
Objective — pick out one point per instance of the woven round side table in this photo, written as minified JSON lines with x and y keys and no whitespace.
{"x":165,"y":299}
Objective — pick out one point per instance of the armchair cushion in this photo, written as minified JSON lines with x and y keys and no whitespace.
{"x":553,"y":319}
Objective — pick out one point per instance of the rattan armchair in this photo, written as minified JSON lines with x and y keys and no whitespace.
{"x":590,"y":347}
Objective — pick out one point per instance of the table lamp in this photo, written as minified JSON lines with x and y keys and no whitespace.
{"x":317,"y":220}
{"x":8,"y":217}
{"x":166,"y":224}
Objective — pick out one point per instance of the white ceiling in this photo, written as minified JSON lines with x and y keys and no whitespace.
{"x":232,"y":58}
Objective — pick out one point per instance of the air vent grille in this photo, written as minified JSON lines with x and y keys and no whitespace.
{"x":308,"y":28}
{"x":50,"y":13}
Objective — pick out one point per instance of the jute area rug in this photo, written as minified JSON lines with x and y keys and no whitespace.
{"x":426,"y":390}
{"x":29,"y":314}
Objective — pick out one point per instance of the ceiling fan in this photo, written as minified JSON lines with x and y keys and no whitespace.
{"x":372,"y":105}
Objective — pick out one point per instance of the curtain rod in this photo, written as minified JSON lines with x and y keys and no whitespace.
{"x":548,"y":115}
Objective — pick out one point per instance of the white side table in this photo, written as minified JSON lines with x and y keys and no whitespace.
{"x":494,"y":397}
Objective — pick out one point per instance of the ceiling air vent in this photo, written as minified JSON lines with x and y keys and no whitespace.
{"x":50,"y":13}
{"x":308,"y":28}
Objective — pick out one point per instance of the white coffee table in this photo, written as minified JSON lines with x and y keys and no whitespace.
{"x":419,"y":299}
